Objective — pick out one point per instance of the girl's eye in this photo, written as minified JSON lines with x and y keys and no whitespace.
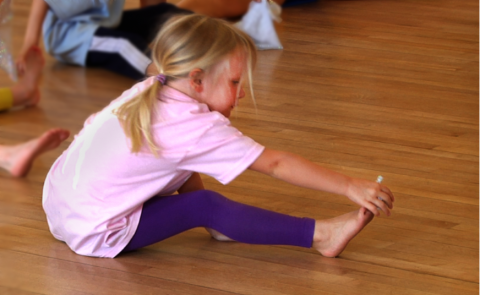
{"x":236,"y":82}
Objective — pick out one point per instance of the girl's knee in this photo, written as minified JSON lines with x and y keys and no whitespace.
{"x":211,"y":199}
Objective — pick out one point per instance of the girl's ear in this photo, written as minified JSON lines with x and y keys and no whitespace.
{"x":196,"y":80}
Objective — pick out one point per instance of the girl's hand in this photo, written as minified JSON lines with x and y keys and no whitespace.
{"x":371,"y":195}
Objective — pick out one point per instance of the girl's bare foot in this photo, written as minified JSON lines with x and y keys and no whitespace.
{"x":218,"y":236}
{"x":17,"y":159}
{"x":25,"y":91}
{"x":332,"y":235}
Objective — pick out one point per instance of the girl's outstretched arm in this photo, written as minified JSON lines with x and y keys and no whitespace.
{"x":301,"y":172}
{"x":32,"y":34}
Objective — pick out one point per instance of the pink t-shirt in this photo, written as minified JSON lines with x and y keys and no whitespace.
{"x":94,"y":192}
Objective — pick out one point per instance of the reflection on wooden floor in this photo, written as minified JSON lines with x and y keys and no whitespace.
{"x":362,"y":87}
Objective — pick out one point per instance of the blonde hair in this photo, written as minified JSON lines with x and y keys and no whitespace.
{"x":183,"y":44}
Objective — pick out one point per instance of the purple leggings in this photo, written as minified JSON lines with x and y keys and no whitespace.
{"x":163,"y":217}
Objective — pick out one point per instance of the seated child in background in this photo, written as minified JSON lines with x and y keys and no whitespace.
{"x":101,"y":34}
{"x":113,"y":190}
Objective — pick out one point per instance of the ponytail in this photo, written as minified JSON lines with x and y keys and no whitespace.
{"x":136,"y":117}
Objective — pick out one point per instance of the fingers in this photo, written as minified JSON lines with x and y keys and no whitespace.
{"x":382,"y":205}
{"x":376,"y":206}
{"x":382,"y":201}
{"x":387,"y":191}
{"x":387,"y":199}
{"x":373,"y":196}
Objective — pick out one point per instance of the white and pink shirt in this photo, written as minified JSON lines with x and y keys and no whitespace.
{"x":94,"y":192}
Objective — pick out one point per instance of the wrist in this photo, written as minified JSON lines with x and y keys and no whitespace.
{"x":26,"y":46}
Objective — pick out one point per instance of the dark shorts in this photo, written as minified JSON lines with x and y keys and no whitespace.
{"x":125,"y":49}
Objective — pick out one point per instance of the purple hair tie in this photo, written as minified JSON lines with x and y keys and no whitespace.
{"x":161,"y":78}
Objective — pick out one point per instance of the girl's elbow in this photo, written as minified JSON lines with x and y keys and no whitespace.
{"x":271,"y":163}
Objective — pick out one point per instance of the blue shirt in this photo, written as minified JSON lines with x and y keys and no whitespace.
{"x":69,"y":26}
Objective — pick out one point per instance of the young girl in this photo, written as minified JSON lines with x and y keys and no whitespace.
{"x":113,"y":190}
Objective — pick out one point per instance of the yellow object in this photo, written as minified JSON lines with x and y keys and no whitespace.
{"x":6,"y":99}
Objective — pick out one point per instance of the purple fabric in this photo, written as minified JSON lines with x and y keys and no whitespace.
{"x":163,"y":217}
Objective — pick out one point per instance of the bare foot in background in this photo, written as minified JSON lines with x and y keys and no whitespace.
{"x":18,"y":159}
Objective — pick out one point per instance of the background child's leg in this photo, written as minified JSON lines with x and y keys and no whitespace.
{"x":119,"y":52}
{"x":163,"y":217}
{"x":124,"y":49}
{"x":17,"y":159}
{"x":147,"y":21}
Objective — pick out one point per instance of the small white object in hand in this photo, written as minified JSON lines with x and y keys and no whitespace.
{"x":379,"y":178}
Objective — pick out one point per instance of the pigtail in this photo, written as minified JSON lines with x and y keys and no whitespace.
{"x":136,"y":118}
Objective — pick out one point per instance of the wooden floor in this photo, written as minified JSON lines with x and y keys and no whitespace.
{"x":362,"y":87}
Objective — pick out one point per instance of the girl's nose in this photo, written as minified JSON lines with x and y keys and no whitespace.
{"x":241,"y":94}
